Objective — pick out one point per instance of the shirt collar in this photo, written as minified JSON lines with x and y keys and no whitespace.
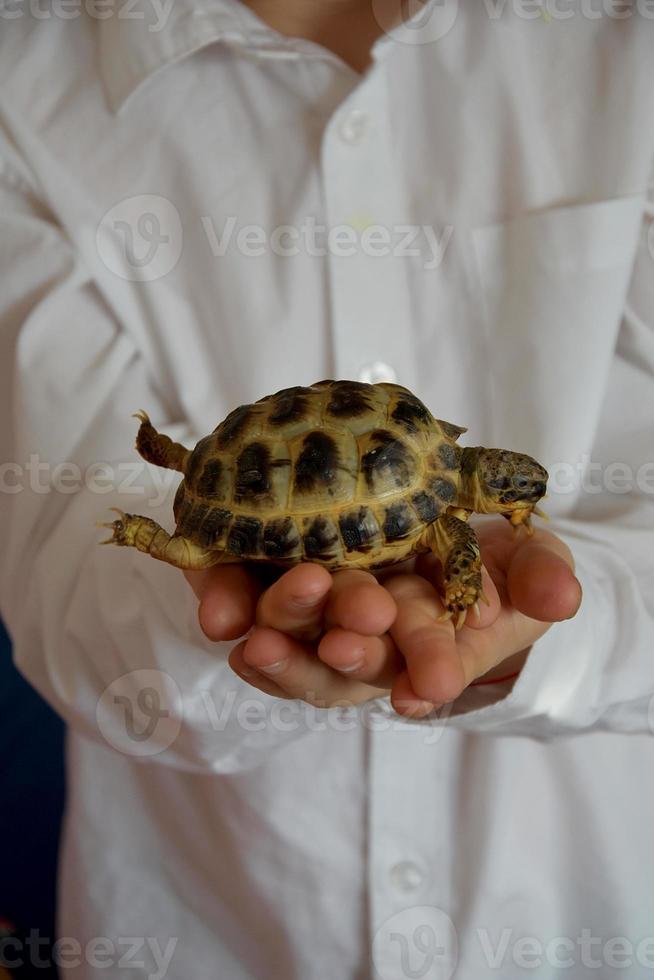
{"x":139,"y":38}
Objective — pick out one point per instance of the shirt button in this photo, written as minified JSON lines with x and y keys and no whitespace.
{"x":377,"y":371}
{"x":406,"y":876}
{"x":353,"y":126}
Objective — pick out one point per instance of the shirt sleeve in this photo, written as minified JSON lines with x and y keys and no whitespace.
{"x":108,"y":636}
{"x":596,"y":671}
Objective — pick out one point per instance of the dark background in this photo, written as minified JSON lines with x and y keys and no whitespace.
{"x":31,"y":804}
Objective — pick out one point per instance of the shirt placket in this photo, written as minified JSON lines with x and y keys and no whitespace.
{"x":410,"y":831}
{"x":365,"y":214}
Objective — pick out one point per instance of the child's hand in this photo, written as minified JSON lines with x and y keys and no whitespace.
{"x":388,"y":635}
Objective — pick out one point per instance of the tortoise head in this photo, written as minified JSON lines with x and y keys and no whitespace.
{"x":497,"y":481}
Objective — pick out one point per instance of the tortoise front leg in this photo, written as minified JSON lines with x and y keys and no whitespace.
{"x":455,"y":544}
{"x":131,"y":530}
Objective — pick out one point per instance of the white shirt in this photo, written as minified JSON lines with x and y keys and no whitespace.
{"x":239,"y":836}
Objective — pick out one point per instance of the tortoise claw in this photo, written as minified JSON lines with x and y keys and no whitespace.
{"x":461,"y":615}
{"x":460,"y":619}
{"x":112,"y":525}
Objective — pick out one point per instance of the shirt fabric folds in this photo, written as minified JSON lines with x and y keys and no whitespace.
{"x":196,"y":211}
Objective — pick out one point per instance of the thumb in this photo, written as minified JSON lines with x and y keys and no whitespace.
{"x":540,"y":579}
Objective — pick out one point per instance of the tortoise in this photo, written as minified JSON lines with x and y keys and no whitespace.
{"x":342,"y":473}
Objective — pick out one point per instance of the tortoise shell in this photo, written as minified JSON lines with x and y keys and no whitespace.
{"x":340,"y":472}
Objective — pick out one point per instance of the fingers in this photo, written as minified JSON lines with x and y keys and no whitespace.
{"x":372,"y":659}
{"x":358,"y":602}
{"x":358,"y":614}
{"x":534,"y":574}
{"x":295,"y":671}
{"x":251,"y":675}
{"x":355,"y":660}
{"x":405,"y":700}
{"x":436,"y":670}
{"x":537,"y":586}
{"x":293,"y":612}
{"x":354,"y":610}
{"x":376,"y":659}
{"x":294,"y":604}
{"x":307,"y":598}
{"x":228,"y":597}
{"x":541,"y":582}
{"x":440,"y":662}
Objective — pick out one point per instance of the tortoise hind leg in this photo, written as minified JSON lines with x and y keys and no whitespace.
{"x":159,"y":449}
{"x":131,"y":530}
{"x":454,"y":543}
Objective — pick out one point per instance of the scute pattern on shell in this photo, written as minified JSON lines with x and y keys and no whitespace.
{"x":320,"y":473}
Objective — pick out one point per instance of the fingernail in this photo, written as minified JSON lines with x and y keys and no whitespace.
{"x":246,"y":672}
{"x":355,"y":666}
{"x":274,"y":668}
